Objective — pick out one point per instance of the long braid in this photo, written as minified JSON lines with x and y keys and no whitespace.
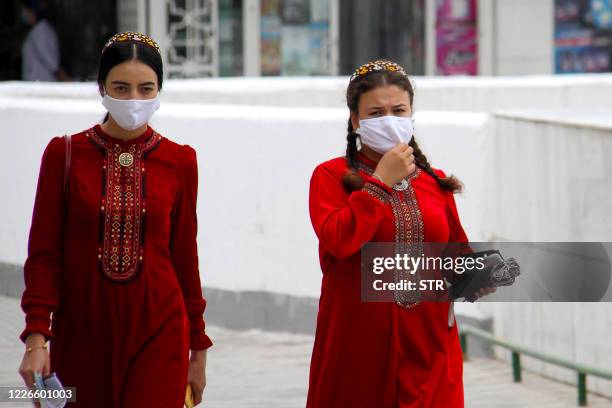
{"x":351,"y":181}
{"x":351,"y":146}
{"x":449,"y":183}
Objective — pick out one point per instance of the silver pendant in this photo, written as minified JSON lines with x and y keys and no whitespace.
{"x":401,"y":185}
{"x":126,"y":159}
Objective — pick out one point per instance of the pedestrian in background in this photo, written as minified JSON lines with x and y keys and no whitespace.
{"x":40,"y":52}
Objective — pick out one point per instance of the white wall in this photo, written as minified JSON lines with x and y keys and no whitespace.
{"x":552,"y":183}
{"x":552,"y":178}
{"x":576,"y":331}
{"x":482,"y":94}
{"x":255,"y":165}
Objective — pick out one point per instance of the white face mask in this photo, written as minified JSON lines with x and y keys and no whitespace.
{"x":385,"y":132}
{"x":130,"y":114}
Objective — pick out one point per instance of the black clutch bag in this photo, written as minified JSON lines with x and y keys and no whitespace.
{"x":496,"y":272}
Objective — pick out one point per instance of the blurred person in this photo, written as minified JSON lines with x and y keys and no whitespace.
{"x":40,"y":51}
{"x":381,"y":354}
{"x":125,"y":295}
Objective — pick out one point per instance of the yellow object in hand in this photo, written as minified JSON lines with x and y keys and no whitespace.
{"x":189,"y":397}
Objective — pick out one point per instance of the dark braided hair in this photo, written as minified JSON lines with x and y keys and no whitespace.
{"x":352,"y":181}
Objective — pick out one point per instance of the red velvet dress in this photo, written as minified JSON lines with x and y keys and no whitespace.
{"x":380,"y":355}
{"x":125,"y":294}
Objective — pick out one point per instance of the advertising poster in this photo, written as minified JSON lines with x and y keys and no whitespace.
{"x":270,"y":37}
{"x":456,"y":38}
{"x":294,"y":37}
{"x":319,"y":48}
{"x":583,"y":36}
{"x":295,"y":50}
{"x":295,"y":11}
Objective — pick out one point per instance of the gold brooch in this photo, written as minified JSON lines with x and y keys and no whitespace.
{"x":126,"y":159}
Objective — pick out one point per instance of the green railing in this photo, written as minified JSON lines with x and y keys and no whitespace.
{"x":581,"y":370}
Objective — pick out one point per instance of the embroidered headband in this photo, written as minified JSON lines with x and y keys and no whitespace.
{"x":378,"y":65}
{"x":132,"y":36}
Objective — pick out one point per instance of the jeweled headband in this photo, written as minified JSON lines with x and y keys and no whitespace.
{"x":378,"y":65}
{"x":132,"y":36}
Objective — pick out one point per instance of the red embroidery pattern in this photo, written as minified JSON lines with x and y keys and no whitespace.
{"x":122,"y":210}
{"x":375,"y":191}
{"x":409,"y":232}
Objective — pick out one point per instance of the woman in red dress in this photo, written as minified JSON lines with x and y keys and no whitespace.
{"x":124,"y":294}
{"x":381,"y":355}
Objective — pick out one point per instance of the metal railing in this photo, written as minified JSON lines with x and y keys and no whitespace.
{"x":581,"y":370}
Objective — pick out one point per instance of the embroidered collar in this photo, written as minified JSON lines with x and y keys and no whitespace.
{"x":121,"y":249}
{"x":143,"y":138}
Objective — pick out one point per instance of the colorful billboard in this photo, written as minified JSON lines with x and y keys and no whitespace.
{"x":456,"y":37}
{"x":583,"y":36}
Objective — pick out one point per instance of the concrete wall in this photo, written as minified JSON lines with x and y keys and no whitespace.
{"x":553,"y":174}
{"x":576,"y":331}
{"x":480,"y":94}
{"x":552,"y":183}
{"x":265,"y":154}
{"x":258,"y":254}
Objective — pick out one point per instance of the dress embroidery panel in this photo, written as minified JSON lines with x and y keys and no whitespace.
{"x":123,"y":206}
{"x":409,"y":234}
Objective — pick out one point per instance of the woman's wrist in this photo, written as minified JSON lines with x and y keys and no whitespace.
{"x":379,"y":178}
{"x":34,"y":348}
{"x":197,"y":355}
{"x":35,"y":340}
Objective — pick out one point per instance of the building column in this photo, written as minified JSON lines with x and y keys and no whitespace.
{"x":334,"y":37}
{"x":430,"y":37}
{"x":251,"y":22}
{"x":487,"y":37}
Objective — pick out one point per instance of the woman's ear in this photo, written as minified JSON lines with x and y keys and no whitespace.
{"x":101,"y":89}
{"x":354,"y":120}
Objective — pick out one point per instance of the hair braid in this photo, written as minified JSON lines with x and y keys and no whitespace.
{"x":352,"y":181}
{"x":449,"y":183}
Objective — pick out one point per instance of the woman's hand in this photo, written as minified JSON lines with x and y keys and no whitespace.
{"x":197,"y":374}
{"x":35,"y":361}
{"x":396,"y":164}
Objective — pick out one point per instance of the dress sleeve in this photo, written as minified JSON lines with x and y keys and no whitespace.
{"x":45,"y":244}
{"x":184,"y":248}
{"x":344,"y":222}
{"x":458,"y":240}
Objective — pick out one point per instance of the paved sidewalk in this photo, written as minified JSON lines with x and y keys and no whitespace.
{"x":255,"y":369}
